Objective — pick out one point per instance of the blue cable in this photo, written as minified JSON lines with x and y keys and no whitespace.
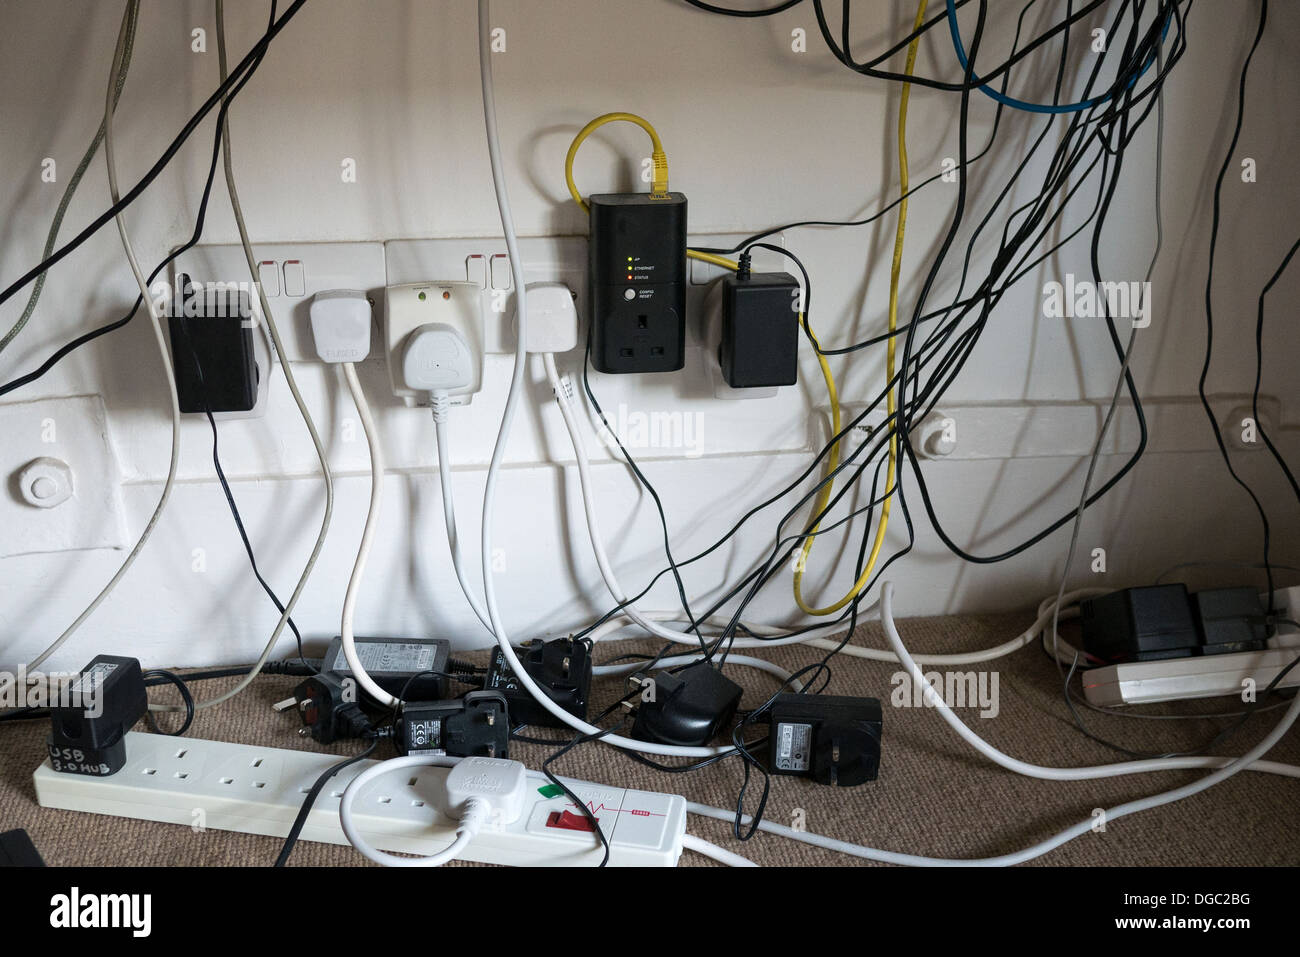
{"x":1040,"y":107}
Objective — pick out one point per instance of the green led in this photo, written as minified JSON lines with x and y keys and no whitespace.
{"x":421,"y":297}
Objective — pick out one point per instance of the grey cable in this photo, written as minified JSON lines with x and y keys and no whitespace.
{"x":293,"y":389}
{"x":128,"y":29}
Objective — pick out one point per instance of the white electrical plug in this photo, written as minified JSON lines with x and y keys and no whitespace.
{"x":552,"y":318}
{"x":438,"y":360}
{"x":500,"y":783}
{"x":340,"y":325}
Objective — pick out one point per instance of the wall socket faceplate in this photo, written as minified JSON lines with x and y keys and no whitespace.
{"x":484,"y":263}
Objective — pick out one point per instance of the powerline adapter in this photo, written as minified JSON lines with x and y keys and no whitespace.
{"x":636,"y":282}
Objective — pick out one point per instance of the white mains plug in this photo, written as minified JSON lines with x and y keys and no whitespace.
{"x":409,"y":307}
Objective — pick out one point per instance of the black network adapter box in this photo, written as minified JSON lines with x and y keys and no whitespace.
{"x":636,"y":282}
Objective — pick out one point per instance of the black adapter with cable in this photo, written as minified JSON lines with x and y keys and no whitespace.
{"x":759,"y":346}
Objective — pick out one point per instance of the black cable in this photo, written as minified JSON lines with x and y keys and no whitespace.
{"x":765,"y":12}
{"x":186,"y":697}
{"x":300,"y":821}
{"x":1209,"y":297}
{"x":94,"y":334}
{"x":244,"y":67}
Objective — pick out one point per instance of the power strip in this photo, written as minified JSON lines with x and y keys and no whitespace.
{"x":237,"y":787}
{"x":1146,"y":682}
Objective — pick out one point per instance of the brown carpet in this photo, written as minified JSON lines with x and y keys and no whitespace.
{"x":934,"y":796}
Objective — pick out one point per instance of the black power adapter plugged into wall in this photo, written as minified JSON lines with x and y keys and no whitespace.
{"x":760,"y":337}
{"x":212,"y":349}
{"x":636,"y":282}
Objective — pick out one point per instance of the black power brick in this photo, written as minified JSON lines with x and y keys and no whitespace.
{"x":562,"y":667}
{"x":636,"y":282}
{"x":212,"y":349}
{"x":88,"y":724}
{"x":760,"y":334}
{"x":830,"y":738}
{"x":1157,"y":622}
{"x":477,"y":725}
{"x":687,"y":707}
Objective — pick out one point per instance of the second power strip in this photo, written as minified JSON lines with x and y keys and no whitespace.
{"x":236,"y":787}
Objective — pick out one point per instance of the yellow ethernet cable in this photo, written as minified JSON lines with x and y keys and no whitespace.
{"x":658,"y":182}
{"x":894,"y":273}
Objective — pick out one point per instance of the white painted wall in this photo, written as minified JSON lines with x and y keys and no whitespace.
{"x":757,"y":135}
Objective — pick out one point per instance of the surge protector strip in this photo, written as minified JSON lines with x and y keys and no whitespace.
{"x":1146,"y":682}
{"x":236,"y":787}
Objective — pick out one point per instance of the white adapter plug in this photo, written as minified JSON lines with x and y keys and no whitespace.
{"x":552,"y":318}
{"x":438,"y":360}
{"x":502,"y":784}
{"x":340,"y":325}
{"x":411,"y":308}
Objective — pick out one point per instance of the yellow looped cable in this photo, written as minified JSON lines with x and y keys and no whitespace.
{"x":659,"y":179}
{"x":894,"y":273}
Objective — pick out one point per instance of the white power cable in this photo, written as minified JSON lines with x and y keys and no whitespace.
{"x":760,"y":664}
{"x":780,"y":637}
{"x":278,"y":347}
{"x":513,"y":397}
{"x":348,"y":639}
{"x":156,"y":323}
{"x":440,"y":427}
{"x":593,"y":521}
{"x":473,"y":816}
{"x":700,"y":846}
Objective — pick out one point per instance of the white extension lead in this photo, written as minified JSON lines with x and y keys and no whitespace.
{"x":1225,"y":768}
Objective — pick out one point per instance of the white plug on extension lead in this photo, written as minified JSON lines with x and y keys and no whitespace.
{"x":497,"y":782}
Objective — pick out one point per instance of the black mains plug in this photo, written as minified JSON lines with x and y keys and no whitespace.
{"x":636,"y":282}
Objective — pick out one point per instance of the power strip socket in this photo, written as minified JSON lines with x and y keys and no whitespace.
{"x":238,"y":787}
{"x":1174,"y":679}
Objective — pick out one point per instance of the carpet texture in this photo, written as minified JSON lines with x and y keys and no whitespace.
{"x":935,"y":796}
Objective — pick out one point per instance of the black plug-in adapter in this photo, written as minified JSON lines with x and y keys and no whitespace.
{"x":636,"y":282}
{"x":477,"y":725}
{"x":212,"y":348}
{"x":830,"y":738}
{"x":561,"y":667}
{"x":687,"y":707}
{"x":760,"y":335}
{"x":89,"y":722}
{"x":329,"y":709}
